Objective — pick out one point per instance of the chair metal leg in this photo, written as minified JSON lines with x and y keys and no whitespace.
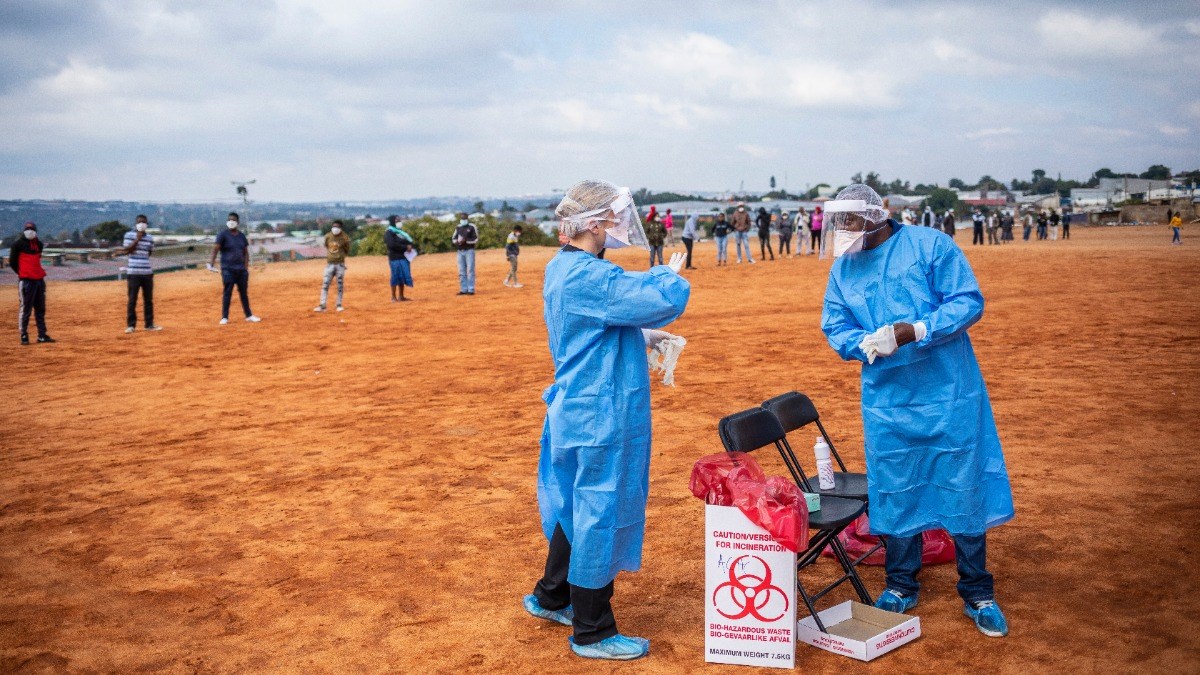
{"x":844,"y":558}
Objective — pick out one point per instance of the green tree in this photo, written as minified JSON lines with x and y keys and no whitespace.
{"x":815,"y":191}
{"x":264,"y":227}
{"x":1038,"y":174}
{"x":111,"y":231}
{"x":529,"y":206}
{"x":370,"y":241}
{"x":942,"y":199}
{"x":957,"y":184}
{"x":478,"y":206}
{"x":1156,"y":172}
{"x":772,"y":182}
{"x":872,"y":181}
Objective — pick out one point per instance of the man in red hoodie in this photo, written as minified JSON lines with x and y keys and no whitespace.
{"x":26,"y":260}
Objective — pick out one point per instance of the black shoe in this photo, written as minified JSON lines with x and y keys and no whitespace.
{"x":461,"y":293}
{"x":24,"y":339}
{"x":45,"y":338}
{"x":470,"y":292}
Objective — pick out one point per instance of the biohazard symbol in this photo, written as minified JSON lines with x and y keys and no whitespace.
{"x":747,"y":593}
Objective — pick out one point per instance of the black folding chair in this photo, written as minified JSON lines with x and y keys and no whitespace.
{"x":752,"y":429}
{"x":794,"y":411}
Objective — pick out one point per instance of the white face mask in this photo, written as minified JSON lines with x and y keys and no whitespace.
{"x":231,"y":224}
{"x":617,"y":236}
{"x":336,"y":230}
{"x":30,"y":234}
{"x":141,"y":227}
{"x":845,"y":241}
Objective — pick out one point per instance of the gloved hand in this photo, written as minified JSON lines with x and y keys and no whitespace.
{"x":653,"y":337}
{"x":210,"y":267}
{"x":676,"y":262}
{"x":880,"y":343}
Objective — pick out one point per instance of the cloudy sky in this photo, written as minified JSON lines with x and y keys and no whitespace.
{"x":358,"y":99}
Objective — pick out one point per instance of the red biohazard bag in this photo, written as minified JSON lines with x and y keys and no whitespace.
{"x":776,"y":505}
{"x":938,"y":547}
{"x":711,"y":475}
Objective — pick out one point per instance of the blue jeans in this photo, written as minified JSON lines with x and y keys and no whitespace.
{"x":743,"y":239}
{"x":903,"y":562}
{"x":1175,"y":237}
{"x":723,"y":248}
{"x":656,"y":251}
{"x":466,"y":271}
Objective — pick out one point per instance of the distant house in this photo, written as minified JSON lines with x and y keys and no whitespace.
{"x":538,"y":215}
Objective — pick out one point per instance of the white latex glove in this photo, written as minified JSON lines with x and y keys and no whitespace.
{"x":210,"y":267}
{"x":653,"y":337}
{"x":880,"y":343}
{"x":676,"y":262}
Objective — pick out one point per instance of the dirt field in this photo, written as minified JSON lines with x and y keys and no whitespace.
{"x":356,"y":491}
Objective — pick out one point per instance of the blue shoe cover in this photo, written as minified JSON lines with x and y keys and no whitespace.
{"x":987,"y":617}
{"x":617,"y":647}
{"x":894,"y":601}
{"x":563,"y":616}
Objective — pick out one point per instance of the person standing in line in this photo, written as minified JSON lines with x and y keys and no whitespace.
{"x":689,"y":237}
{"x":741,"y":232}
{"x":512,"y":250}
{"x":977,"y":223}
{"x":465,"y":239}
{"x":993,"y":226}
{"x":669,"y":225}
{"x":25,"y":258}
{"x":927,"y":217}
{"x":818,"y":217}
{"x":1027,"y":223}
{"x":399,"y":245}
{"x":1066,"y":225}
{"x":1054,"y":221}
{"x":139,"y":275}
{"x":763,"y":221}
{"x":234,"y":249}
{"x":337,"y":247}
{"x":948,"y":223}
{"x":1176,"y":229}
{"x":785,"y":234}
{"x":1006,"y":227}
{"x":1042,"y":223}
{"x":656,"y":235}
{"x":803,"y":232}
{"x":937,"y":222}
{"x":721,"y":234}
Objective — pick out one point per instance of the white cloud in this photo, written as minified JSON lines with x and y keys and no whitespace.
{"x":1078,"y":34}
{"x":758,"y":151}
{"x":988,"y":133}
{"x":1172,"y":130}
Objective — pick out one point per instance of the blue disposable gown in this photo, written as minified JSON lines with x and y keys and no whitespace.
{"x":933,"y":454}
{"x":594,"y":469}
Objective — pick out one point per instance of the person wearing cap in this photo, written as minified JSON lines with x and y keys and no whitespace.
{"x":741,"y":232}
{"x":234,"y":249}
{"x":465,"y":239}
{"x":900,"y":300}
{"x":337,"y":247}
{"x":139,"y":275}
{"x":25,"y":258}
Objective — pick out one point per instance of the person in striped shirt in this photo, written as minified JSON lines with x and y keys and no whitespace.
{"x":138,"y":245}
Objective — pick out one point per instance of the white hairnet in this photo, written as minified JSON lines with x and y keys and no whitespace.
{"x":858,"y":200}
{"x":592,"y":200}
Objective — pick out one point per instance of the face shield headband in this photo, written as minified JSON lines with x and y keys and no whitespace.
{"x":849,"y":219}
{"x":626,"y":229}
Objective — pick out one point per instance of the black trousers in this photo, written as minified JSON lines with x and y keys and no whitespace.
{"x":764,"y":247}
{"x":687,"y":243}
{"x":241,"y":279}
{"x":144,"y":283}
{"x":32,"y":298}
{"x":978,"y":236}
{"x":594,"y":620}
{"x":785,"y":242}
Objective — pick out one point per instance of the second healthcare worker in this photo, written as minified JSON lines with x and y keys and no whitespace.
{"x":594,"y":469}
{"x":900,"y":300}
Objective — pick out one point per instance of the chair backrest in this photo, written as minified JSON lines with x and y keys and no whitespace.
{"x":793,"y":409}
{"x":749,"y":430}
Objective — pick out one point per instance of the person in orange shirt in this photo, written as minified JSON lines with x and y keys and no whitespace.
{"x":1176,"y":224}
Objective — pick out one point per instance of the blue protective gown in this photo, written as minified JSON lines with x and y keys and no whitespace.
{"x":594,"y":469}
{"x":933,"y":454}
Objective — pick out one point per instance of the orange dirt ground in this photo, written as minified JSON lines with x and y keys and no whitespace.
{"x":356,"y":491}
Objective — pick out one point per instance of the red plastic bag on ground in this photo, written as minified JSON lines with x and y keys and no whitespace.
{"x":777,"y":506}
{"x":711,"y":475}
{"x":938,"y":547}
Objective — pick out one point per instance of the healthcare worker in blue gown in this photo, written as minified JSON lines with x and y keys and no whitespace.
{"x":900,"y":300}
{"x":594,"y":468}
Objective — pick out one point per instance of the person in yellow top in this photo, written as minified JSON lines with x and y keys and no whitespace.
{"x":337,"y":245}
{"x":1176,"y":223}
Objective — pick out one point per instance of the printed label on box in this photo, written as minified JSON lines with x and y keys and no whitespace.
{"x":750,"y":590}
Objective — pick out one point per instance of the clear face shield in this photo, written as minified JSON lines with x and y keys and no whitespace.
{"x":620,"y":218}
{"x":853,"y":220}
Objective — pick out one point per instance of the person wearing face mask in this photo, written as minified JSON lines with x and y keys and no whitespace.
{"x":900,"y":300}
{"x":763,"y":221}
{"x":138,"y":245}
{"x":465,"y":238}
{"x":25,"y":258}
{"x":337,"y":247}
{"x":817,"y":228}
{"x":721,"y":236}
{"x":234,"y":249}
{"x":741,"y":232}
{"x":593,"y":472}
{"x":400,"y":247}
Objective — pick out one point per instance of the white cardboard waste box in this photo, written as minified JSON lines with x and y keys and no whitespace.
{"x":750,"y":586}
